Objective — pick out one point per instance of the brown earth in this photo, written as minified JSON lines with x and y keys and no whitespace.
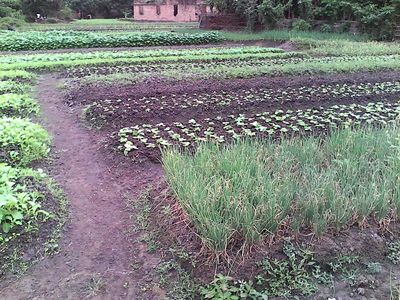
{"x":97,"y":243}
{"x":154,"y":88}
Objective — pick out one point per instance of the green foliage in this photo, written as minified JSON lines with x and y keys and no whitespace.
{"x":16,"y":75}
{"x":301,"y":25}
{"x":8,"y":86}
{"x":225,"y":288}
{"x":394,"y":252}
{"x":101,"y":8}
{"x":272,"y":11}
{"x":14,"y":41}
{"x":22,"y":141}
{"x":297,"y":274}
{"x":326,"y":28}
{"x":16,"y":105}
{"x":10,"y":9}
{"x":8,"y":23}
{"x":237,"y":194}
{"x":19,"y":203}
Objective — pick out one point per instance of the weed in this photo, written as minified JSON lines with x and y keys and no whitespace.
{"x":394,"y":252}
{"x":374,"y":268}
{"x":95,"y":286}
{"x":178,"y":282}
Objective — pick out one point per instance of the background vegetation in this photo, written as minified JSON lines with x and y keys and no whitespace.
{"x":376,"y":17}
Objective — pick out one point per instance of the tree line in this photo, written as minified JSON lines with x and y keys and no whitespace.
{"x":64,"y":9}
{"x":376,"y":17}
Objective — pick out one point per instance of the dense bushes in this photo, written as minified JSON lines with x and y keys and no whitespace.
{"x":22,"y":141}
{"x":14,"y":41}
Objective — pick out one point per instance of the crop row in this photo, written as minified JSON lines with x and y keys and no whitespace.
{"x":16,"y":75}
{"x":235,"y":68}
{"x":16,"y":41}
{"x":221,"y":129}
{"x":71,"y":56}
{"x":23,"y":190}
{"x":109,"y":109}
{"x":200,"y":56}
{"x":9,"y":86}
{"x":127,"y":26}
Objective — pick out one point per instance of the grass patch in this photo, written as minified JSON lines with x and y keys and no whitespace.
{"x":236,"y":195}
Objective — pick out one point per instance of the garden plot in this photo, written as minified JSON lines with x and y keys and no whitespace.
{"x":170,"y":107}
{"x":251,"y":152}
{"x":146,"y":138}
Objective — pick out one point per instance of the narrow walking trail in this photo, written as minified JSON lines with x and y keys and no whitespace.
{"x":96,"y":242}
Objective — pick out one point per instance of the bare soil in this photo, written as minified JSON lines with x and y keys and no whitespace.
{"x":101,"y":91}
{"x":97,"y":248}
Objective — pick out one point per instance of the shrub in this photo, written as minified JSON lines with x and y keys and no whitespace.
{"x":16,"y":105}
{"x":345,"y":27}
{"x":326,"y":28}
{"x":66,"y":13}
{"x":301,"y":25}
{"x":19,"y":204}
{"x":8,"y":23}
{"x":22,"y":141}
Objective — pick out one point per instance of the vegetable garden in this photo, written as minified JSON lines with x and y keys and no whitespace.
{"x":263,"y":153}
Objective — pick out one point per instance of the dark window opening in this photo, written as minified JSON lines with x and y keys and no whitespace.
{"x":141,"y":10}
{"x":175,"y":10}
{"x":158,"y":10}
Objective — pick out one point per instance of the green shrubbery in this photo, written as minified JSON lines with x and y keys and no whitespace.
{"x":301,"y":25}
{"x":17,"y":105}
{"x":22,"y":141}
{"x":14,"y":41}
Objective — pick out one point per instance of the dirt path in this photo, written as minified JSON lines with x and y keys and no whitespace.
{"x":97,"y":250}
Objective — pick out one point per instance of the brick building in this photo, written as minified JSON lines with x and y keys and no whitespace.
{"x":169,"y":10}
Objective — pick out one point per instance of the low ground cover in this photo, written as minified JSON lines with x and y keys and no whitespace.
{"x":146,"y":139}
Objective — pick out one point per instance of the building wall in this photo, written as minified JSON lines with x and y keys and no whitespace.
{"x":148,"y":12}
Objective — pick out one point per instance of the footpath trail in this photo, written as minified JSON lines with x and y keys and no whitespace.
{"x":97,"y":248}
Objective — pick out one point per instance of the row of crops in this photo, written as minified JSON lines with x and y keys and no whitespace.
{"x":108,"y":109}
{"x":28,"y":198}
{"x":110,"y":25}
{"x":243,"y":67}
{"x":36,"y":40}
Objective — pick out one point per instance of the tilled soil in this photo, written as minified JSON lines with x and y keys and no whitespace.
{"x":98,"y":245}
{"x":159,"y":87}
